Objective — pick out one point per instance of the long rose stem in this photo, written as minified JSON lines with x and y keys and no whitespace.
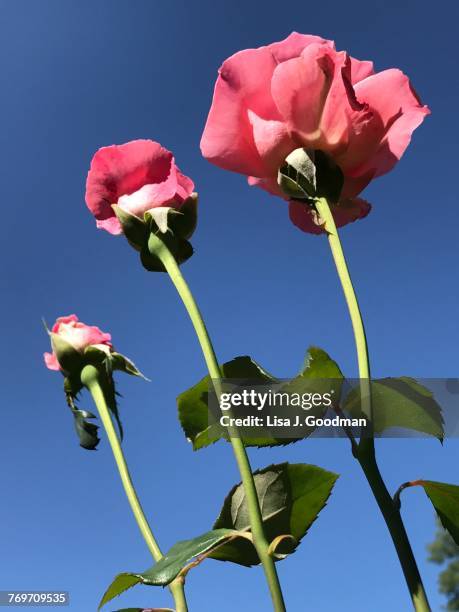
{"x":90,"y":377}
{"x":256,"y":521}
{"x":365,"y":453}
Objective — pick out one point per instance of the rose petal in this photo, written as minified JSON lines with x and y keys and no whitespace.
{"x":294,"y":44}
{"x":364,"y":139}
{"x":51,"y":361}
{"x":360,"y":70}
{"x":185,"y":186}
{"x":80,"y":335}
{"x":111,"y":225}
{"x":65,"y":319}
{"x":149,"y":196}
{"x":268,"y":184}
{"x":390,"y":94}
{"x":272,"y":140}
{"x":299,"y":88}
{"x":342,"y":113}
{"x":243,"y":83}
{"x":355,"y":185}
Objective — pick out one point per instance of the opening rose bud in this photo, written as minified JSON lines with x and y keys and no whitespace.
{"x":69,"y":339}
{"x":302,"y":93}
{"x":78,"y":347}
{"x":138,"y":176}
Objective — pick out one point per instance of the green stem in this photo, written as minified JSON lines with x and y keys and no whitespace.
{"x":90,"y":377}
{"x":256,"y":521}
{"x":365,"y":453}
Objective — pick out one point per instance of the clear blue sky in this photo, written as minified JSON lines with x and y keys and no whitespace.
{"x":79,"y":74}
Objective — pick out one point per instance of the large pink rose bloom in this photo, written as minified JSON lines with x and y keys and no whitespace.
{"x":301,"y":92}
{"x":79,"y":335}
{"x":137,"y":176}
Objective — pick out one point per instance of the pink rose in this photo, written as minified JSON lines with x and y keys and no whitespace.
{"x":301,"y":92}
{"x":137,"y":176}
{"x":79,"y":336}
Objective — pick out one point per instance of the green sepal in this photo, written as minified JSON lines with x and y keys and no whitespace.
{"x":308,"y":174}
{"x":180,"y":248}
{"x":72,"y":386}
{"x":178,"y":560}
{"x":123,"y":364}
{"x":134,"y":228}
{"x":401,"y":403}
{"x":184,"y":223}
{"x":172,"y":225}
{"x":297,"y":176}
{"x":180,"y":222}
{"x":111,"y":361}
{"x":68,"y":357}
{"x":86,"y":431}
{"x":95,"y":356}
{"x":291,"y":497}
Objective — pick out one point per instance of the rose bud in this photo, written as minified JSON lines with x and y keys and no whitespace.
{"x":302,"y":94}
{"x":136,"y":188}
{"x":69,"y":340}
{"x":76,"y":345}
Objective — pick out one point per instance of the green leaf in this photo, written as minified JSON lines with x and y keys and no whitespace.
{"x":311,"y":486}
{"x":320,"y":374}
{"x":193,"y":407}
{"x":400,"y":402}
{"x":445,"y":500}
{"x":319,"y":364}
{"x":291,"y":497}
{"x":180,"y":558}
{"x":121,"y":583}
{"x":193,"y":403}
{"x":86,"y":431}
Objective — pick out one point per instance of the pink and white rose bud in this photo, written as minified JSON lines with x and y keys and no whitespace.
{"x":79,"y":336}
